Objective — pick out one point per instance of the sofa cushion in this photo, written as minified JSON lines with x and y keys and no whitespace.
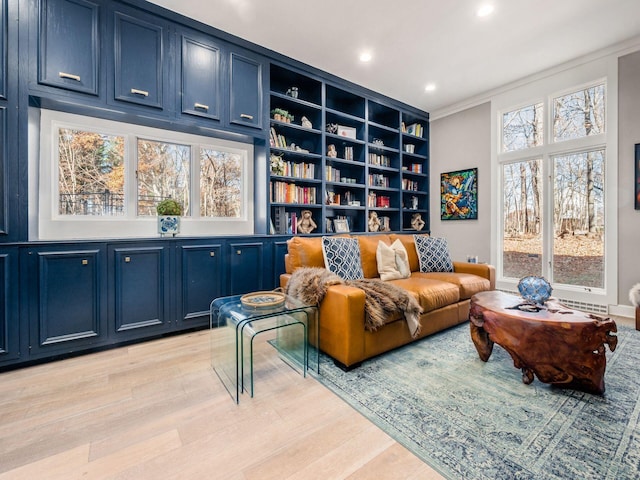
{"x":410,"y":245}
{"x":467,"y":283}
{"x":392,"y":261}
{"x":342,"y":257}
{"x":431,"y":294}
{"x":368,"y":248}
{"x":433,"y":254}
{"x":304,"y":252}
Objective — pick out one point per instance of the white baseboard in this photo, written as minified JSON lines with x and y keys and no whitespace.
{"x":622,"y":310}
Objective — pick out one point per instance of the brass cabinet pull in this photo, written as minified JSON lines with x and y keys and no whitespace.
{"x":248,"y":117}
{"x":201,"y":105}
{"x":127,"y":259}
{"x":139,"y":92}
{"x":239,"y":252}
{"x":212,"y":254}
{"x":70,"y":76}
{"x":85,"y":261}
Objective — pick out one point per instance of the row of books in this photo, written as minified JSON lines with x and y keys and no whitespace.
{"x":299,"y":170}
{"x":416,"y":168}
{"x":378,"y":180}
{"x":331,"y":174}
{"x":284,"y":222}
{"x":379,"y":160}
{"x":409,"y":184}
{"x":283,"y":192}
{"x":378,"y":201}
{"x":413,"y":129}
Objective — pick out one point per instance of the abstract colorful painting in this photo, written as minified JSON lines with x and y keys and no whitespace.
{"x":459,"y":195}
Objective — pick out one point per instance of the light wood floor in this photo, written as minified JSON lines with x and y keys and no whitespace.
{"x":156,"y":410}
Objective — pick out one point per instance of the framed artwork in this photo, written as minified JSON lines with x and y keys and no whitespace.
{"x":459,"y":195}
{"x":637,"y":176}
{"x":340,"y":225}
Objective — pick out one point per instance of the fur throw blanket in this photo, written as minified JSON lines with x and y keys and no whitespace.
{"x":382,"y":299}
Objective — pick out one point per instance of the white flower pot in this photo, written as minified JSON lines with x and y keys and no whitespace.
{"x":168,"y":224}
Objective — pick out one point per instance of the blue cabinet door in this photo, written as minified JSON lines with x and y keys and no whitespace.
{"x":4,"y":149}
{"x":246,"y":91}
{"x":67,"y":305}
{"x":139,"y":60}
{"x":3,"y":48}
{"x":201,"y":279}
{"x":246,"y":267}
{"x":69,"y":45}
{"x":200,"y":78}
{"x":9,"y":325}
{"x":141,"y":290}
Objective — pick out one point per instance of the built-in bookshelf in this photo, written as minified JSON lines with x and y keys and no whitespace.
{"x":342,"y":156}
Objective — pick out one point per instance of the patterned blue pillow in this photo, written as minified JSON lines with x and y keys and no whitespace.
{"x":342,"y":257}
{"x":433,"y":254}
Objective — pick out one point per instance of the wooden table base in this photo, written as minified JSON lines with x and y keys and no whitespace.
{"x":558,"y":345}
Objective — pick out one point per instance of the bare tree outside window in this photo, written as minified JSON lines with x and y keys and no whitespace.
{"x":163,"y":172}
{"x":220,"y":184}
{"x":579,"y":114}
{"x":576,"y":191}
{"x":522,"y":236}
{"x":90,"y":173}
{"x":578,"y":211}
{"x":522,"y":128}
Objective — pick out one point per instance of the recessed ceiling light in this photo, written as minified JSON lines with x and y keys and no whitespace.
{"x":365,"y":56}
{"x":485,"y":10}
{"x":430,"y":87}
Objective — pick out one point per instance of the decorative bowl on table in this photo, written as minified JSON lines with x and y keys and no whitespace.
{"x":262,"y":300}
{"x":534,"y":289}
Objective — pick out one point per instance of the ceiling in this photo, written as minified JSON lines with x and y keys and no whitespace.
{"x":417,"y":42}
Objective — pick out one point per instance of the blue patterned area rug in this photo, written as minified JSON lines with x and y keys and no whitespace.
{"x":470,"y":419}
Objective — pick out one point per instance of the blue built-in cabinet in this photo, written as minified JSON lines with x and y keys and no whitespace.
{"x":69,"y":46}
{"x":136,"y":61}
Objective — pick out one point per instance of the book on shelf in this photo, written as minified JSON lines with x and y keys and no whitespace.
{"x":415,"y":129}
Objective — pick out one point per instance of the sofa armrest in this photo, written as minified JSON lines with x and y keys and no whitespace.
{"x":483,"y":270}
{"x":342,"y":324}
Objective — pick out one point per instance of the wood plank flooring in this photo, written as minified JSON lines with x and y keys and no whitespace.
{"x":157,"y":410}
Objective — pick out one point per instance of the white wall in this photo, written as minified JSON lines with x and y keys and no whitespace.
{"x":628,"y":135}
{"x":458,"y":142}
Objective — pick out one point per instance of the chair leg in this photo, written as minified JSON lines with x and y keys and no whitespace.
{"x":638,"y":318}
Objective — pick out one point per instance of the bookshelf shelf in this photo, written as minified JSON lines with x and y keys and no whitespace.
{"x":358,"y":156}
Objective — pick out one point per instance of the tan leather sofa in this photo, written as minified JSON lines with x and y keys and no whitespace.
{"x":444,"y":298}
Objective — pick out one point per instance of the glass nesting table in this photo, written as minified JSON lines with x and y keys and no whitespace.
{"x":290,"y":327}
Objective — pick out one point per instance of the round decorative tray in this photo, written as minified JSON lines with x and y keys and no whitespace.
{"x":262,"y":300}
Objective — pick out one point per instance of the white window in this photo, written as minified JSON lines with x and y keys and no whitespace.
{"x":103,"y":179}
{"x":552,"y":155}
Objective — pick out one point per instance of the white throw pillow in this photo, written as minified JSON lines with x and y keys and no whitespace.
{"x":393,"y":261}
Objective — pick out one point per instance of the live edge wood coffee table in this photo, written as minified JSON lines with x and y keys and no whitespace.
{"x":560,"y":346}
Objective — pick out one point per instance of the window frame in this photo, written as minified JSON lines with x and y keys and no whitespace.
{"x":549,"y":87}
{"x":47,"y":224}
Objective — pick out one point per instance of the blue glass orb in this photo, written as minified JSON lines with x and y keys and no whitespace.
{"x":534,"y":289}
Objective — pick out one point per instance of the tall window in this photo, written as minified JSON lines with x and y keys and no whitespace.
{"x":111,"y":175}
{"x":553,"y":189}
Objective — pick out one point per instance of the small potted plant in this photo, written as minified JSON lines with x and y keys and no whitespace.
{"x":279,"y":114}
{"x":169,"y":212}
